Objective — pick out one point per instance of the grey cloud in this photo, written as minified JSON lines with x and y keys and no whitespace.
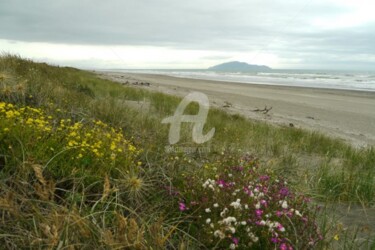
{"x":280,"y":27}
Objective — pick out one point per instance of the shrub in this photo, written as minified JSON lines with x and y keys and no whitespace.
{"x":82,"y":143}
{"x":243,"y":206}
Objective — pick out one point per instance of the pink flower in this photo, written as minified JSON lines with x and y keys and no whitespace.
{"x":235,"y":240}
{"x":283,"y":246}
{"x":182,"y":206}
{"x":263,"y":202}
{"x":284,"y":191}
{"x":221,"y":183}
{"x":279,"y":213}
{"x":258,"y":212}
{"x":264,"y":178}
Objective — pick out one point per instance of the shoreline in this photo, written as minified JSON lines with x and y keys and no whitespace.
{"x":344,"y":114}
{"x":261,"y":83}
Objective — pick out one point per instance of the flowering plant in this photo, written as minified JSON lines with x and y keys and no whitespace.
{"x":242,"y":206}
{"x":84,"y":143}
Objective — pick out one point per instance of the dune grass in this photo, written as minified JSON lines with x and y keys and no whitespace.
{"x":104,"y":173}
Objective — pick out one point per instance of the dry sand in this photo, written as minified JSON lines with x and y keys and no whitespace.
{"x":349,"y":115}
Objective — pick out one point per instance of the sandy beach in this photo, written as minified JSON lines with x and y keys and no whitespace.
{"x":348,"y":115}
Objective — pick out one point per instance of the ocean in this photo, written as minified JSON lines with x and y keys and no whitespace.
{"x":364,"y":81}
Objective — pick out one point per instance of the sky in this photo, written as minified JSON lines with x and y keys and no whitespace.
{"x":161,"y":34}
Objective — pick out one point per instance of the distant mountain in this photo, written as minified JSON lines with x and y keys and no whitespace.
{"x":239,"y":66}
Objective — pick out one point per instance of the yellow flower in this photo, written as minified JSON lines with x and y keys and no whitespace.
{"x":72,"y":134}
{"x":132,"y":148}
{"x":6,"y":129}
{"x":336,"y":237}
{"x":9,"y":114}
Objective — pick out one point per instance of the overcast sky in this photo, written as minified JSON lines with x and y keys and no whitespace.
{"x":310,"y":34}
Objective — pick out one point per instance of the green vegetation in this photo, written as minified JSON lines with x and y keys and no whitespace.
{"x":83,"y":164}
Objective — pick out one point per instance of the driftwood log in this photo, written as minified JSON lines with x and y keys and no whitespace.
{"x":227,"y":104}
{"x":264,"y":111}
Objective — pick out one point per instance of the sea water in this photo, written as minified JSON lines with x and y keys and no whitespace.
{"x":364,"y":81}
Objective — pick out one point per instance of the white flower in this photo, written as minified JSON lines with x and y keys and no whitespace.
{"x":257,"y":206}
{"x":229,"y":220}
{"x":207,"y":210}
{"x":209,"y":183}
{"x":236,"y":204}
{"x":206,"y":183}
{"x":212,"y":225}
{"x":243,"y":223}
{"x":231,"y":229}
{"x":219,"y":234}
{"x":216,"y":205}
{"x":230,"y":175}
{"x":225,"y":210}
{"x":298,"y":213}
{"x":256,"y":190}
{"x":208,"y":221}
{"x":262,"y":222}
{"x":232,"y":246}
{"x":284,"y":205}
